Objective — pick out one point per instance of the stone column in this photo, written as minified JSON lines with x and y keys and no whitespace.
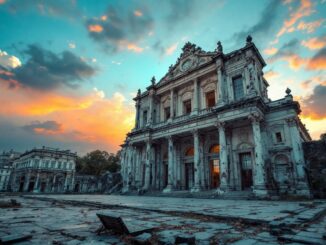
{"x":73,"y":181}
{"x":302,"y":187}
{"x":196,"y":186}
{"x":150,"y":113}
{"x":137,"y":114}
{"x":148,"y":165}
{"x":153,"y":164}
{"x":169,"y":186}
{"x":223,"y":157}
{"x":26,"y":183}
{"x":171,"y":104}
{"x":196,"y":97}
{"x":65,"y":184}
{"x":53,"y":183}
{"x":220,"y":100}
{"x":259,"y":178}
{"x":36,"y":185}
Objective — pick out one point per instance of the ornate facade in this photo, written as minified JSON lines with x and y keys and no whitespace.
{"x":209,"y":124}
{"x":44,"y":170}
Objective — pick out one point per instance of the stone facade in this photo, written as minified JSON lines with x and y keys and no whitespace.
{"x":6,"y":166}
{"x":209,"y":124}
{"x":44,"y":170}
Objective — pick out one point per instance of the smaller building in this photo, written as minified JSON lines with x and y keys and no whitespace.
{"x":6,"y":162}
{"x":44,"y":170}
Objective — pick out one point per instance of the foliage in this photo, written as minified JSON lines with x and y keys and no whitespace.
{"x":98,"y":162}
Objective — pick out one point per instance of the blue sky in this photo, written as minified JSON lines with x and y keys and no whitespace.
{"x":112,"y":48}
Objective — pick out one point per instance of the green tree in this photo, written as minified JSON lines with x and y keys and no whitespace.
{"x":98,"y":162}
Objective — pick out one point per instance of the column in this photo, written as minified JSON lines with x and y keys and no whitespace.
{"x":65,"y":184}
{"x":148,"y":165}
{"x":53,"y":182}
{"x":72,"y":188}
{"x":153,"y":168}
{"x":221,"y":97}
{"x":302,"y":187}
{"x":196,"y":186}
{"x":169,"y":186}
{"x":223,"y":157}
{"x":26,"y":183}
{"x":196,"y":102}
{"x":137,"y":114}
{"x":259,"y":179}
{"x":36,"y":185}
{"x":171,"y":104}
{"x":150,"y":113}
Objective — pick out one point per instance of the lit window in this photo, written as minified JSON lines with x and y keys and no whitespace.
{"x":167,"y":113}
{"x":278,"y":136}
{"x":187,"y":107}
{"x":210,"y":99}
{"x":214,"y":149}
{"x":238,"y":88}
{"x":190,"y":152}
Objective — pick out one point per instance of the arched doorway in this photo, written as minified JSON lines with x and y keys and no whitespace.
{"x":214,"y":166}
{"x":165,"y":169}
{"x":189,"y":167}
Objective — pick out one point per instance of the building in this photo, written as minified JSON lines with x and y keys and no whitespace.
{"x":44,"y":170}
{"x":6,"y":162}
{"x":209,"y":124}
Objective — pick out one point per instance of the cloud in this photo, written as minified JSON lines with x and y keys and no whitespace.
{"x":46,"y":70}
{"x":264,"y":25}
{"x":309,"y":27}
{"x":45,"y":128}
{"x":121,"y":29}
{"x":8,"y":61}
{"x":170,"y":50}
{"x":305,"y":84}
{"x":315,"y":43}
{"x":304,"y":9}
{"x":269,"y":75}
{"x":313,"y":106}
{"x":270,"y":51}
{"x":318,"y":62}
{"x":72,"y":45}
{"x":61,"y":8}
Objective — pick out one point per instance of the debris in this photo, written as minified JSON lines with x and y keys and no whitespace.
{"x":10,"y":204}
{"x":10,"y":239}
{"x":143,"y":239}
{"x":185,"y":239}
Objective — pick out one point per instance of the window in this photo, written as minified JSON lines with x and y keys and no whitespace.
{"x":238,"y":88}
{"x":144,"y":118}
{"x":190,"y":152}
{"x":210,"y":99}
{"x":214,"y":149}
{"x":278,"y":137}
{"x":52,"y":164}
{"x":187,"y":107}
{"x":167,"y":113}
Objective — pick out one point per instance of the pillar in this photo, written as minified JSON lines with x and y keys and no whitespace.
{"x":259,"y":178}
{"x":169,"y":186}
{"x":196,"y":97}
{"x":196,"y":186}
{"x":26,"y":184}
{"x":148,"y":165}
{"x":223,"y":157}
{"x":65,"y":184}
{"x":171,"y":104}
{"x":53,"y":182}
{"x":137,"y":114}
{"x":150,"y":113}
{"x":302,"y":187}
{"x":221,"y":97}
{"x":36,"y":185}
{"x":153,"y":167}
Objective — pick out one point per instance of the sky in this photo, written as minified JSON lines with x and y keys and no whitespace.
{"x":69,"y":69}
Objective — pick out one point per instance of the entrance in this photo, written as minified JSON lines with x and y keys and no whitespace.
{"x":165,"y":174}
{"x":43,"y":185}
{"x":189,"y":174}
{"x":215,"y":173}
{"x":246,"y":170}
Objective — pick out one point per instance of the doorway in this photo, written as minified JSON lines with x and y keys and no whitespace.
{"x":214,"y":173}
{"x":246,"y":170}
{"x":189,"y":175}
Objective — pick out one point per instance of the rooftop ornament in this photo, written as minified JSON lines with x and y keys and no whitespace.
{"x":138,"y":93}
{"x":288,"y":91}
{"x":249,"y":39}
{"x":219,"y":47}
{"x":153,"y":80}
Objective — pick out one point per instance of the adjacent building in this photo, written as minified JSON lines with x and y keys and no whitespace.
{"x":209,"y":124}
{"x":44,"y":170}
{"x":6,"y":166}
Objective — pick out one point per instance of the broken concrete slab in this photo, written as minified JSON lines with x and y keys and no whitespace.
{"x":10,"y":239}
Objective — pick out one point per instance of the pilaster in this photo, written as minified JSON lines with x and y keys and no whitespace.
{"x":223,"y":157}
{"x":169,"y":186}
{"x":196,"y":186}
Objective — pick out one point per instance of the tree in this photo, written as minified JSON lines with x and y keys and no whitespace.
{"x":98,"y":162}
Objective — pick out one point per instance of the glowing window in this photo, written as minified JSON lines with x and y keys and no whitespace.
{"x":189,"y":152}
{"x":214,"y":149}
{"x":210,"y":99}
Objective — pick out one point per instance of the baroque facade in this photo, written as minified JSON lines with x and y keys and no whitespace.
{"x":209,"y":124}
{"x":44,"y":170}
{"x":6,"y":166}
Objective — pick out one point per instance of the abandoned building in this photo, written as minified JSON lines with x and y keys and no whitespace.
{"x":44,"y":170}
{"x":6,"y":161}
{"x":209,"y":124}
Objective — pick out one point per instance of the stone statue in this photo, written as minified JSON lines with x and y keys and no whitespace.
{"x":219,"y":47}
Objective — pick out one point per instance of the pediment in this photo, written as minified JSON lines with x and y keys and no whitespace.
{"x":191,"y":57}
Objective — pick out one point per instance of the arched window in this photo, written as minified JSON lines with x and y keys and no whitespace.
{"x":214,"y":149}
{"x":190,"y":152}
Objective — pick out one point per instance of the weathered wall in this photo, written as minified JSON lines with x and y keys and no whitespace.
{"x":315,"y":155}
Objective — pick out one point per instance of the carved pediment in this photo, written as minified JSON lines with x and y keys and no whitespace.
{"x":191,"y":57}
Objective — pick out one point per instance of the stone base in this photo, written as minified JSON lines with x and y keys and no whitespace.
{"x":36,"y":191}
{"x":196,"y":189}
{"x":168,"y":189}
{"x":260,"y":192}
{"x":220,"y":191}
{"x":220,"y":103}
{"x":125,"y":189}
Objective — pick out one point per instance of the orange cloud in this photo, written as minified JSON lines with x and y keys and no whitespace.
{"x":318,"y":62}
{"x":2,"y":1}
{"x":271,"y":75}
{"x":170,"y":50}
{"x":138,"y":13}
{"x":294,"y":60}
{"x":270,"y":51}
{"x":314,"y":43}
{"x":305,"y":9}
{"x":92,"y":118}
{"x":309,"y":27}
{"x":95,"y":28}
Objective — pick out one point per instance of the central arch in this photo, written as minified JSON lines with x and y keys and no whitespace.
{"x":214,"y":166}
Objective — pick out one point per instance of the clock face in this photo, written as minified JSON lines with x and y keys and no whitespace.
{"x":186,"y":65}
